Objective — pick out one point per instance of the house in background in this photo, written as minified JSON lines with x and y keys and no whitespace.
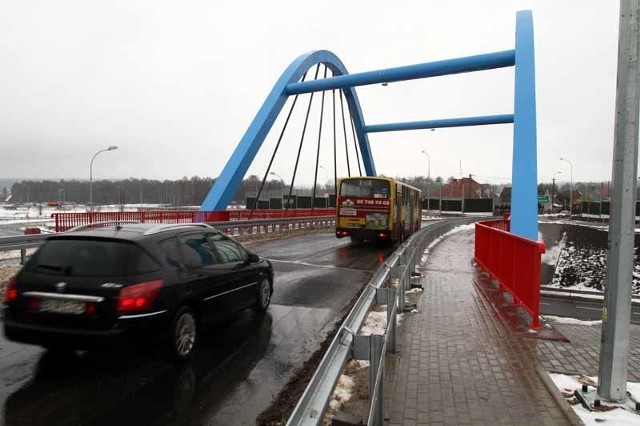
{"x":466,"y":187}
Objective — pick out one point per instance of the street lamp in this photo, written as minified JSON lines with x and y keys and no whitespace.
{"x":279,"y":177}
{"x":553,"y":188}
{"x":283,"y":186}
{"x":428,"y":175}
{"x":111,"y":148}
{"x":571,"y":187}
{"x":326,"y":174}
{"x":428,"y":164}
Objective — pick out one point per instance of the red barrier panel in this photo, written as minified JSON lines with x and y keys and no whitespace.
{"x":514,"y":261}
{"x":65,"y":221}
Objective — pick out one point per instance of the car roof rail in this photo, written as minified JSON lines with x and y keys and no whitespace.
{"x":168,"y":226}
{"x":100,"y":224}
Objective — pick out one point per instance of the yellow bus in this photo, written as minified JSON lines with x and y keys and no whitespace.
{"x":376,"y":208}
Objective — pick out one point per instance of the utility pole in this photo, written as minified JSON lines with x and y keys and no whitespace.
{"x":553,"y":191}
{"x":616,"y":314}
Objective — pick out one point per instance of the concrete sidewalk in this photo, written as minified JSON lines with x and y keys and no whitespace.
{"x":461,"y":363}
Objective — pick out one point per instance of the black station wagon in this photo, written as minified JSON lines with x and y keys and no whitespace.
{"x":89,"y":287}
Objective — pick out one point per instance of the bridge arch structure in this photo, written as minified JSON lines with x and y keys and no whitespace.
{"x":524,"y":205}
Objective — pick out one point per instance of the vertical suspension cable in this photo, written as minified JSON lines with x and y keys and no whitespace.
{"x":344,"y":132}
{"x":335,"y":153}
{"x":315,"y":176}
{"x":355,"y":144}
{"x":355,"y":141}
{"x":275,"y":151}
{"x":304,"y":130}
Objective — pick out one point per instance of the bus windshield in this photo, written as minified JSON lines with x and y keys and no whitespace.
{"x":365,"y":188}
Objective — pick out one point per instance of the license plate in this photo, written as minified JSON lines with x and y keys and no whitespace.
{"x":62,"y":306}
{"x":353,"y":225}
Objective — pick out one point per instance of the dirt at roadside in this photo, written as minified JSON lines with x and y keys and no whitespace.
{"x":6,"y":272}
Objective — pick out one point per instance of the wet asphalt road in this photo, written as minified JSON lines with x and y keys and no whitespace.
{"x":580,"y":309}
{"x":240,"y":365}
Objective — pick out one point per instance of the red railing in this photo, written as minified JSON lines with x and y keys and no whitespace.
{"x":65,"y":221}
{"x":512,"y":260}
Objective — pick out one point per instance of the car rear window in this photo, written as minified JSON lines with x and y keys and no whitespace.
{"x":86,"y":257}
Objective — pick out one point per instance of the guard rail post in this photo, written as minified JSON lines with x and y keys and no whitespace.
{"x":401,"y":289}
{"x":370,"y":348}
{"x":388,"y":296}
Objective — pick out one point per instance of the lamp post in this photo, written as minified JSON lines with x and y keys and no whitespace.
{"x":428,"y":176}
{"x":571,"y":186}
{"x":326,"y":174}
{"x":553,"y":189}
{"x":283,"y":185}
{"x":111,"y":148}
{"x":279,"y":177}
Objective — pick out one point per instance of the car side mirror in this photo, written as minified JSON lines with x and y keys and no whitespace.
{"x":253,"y":258}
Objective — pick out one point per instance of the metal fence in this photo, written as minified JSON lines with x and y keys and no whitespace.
{"x":239,"y":228}
{"x":65,"y":221}
{"x":347,"y":344}
{"x":513,"y":261}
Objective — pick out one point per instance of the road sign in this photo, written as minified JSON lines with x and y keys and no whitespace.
{"x":543,"y":198}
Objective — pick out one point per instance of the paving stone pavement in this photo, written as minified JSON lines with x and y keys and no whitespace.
{"x":459,"y":364}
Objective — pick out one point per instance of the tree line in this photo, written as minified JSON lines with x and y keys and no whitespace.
{"x":192,"y":191}
{"x":182,"y":192}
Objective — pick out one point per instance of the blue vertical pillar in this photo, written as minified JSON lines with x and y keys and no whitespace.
{"x":524,"y":192}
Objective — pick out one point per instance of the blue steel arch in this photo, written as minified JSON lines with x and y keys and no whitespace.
{"x":237,"y":166}
{"x":524,"y":219}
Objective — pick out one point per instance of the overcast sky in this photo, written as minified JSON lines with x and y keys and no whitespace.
{"x":175,"y":84}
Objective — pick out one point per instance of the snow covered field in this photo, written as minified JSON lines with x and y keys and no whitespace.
{"x":576,"y":257}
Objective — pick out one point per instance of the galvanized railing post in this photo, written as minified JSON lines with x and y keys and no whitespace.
{"x":371,"y":348}
{"x":400,"y":277}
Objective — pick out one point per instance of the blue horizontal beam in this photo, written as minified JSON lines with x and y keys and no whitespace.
{"x":446,"y":122}
{"x":410,"y":72}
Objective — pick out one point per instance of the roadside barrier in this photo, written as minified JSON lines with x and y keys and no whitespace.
{"x":66,"y":221}
{"x":239,"y":228}
{"x":347,"y":344}
{"x":512,"y":260}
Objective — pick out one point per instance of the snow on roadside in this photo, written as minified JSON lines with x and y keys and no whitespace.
{"x":617,"y":414}
{"x":6,"y":272}
{"x":425,"y":254}
{"x":571,"y":321}
{"x":375,"y":324}
{"x":551,"y":256}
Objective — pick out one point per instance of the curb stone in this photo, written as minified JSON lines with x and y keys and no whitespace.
{"x":564,"y":406}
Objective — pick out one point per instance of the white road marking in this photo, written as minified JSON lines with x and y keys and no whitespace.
{"x":590,"y":309}
{"x":297,"y":262}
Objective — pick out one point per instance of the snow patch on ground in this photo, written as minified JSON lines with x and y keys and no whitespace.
{"x":571,"y":321}
{"x":618,"y":415}
{"x":376,"y":323}
{"x":342,"y":393}
{"x":551,"y":256}
{"x":425,"y":254}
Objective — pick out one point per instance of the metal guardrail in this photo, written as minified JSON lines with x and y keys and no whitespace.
{"x":346,"y":345}
{"x":236,"y":228}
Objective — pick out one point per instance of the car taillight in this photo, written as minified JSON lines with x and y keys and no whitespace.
{"x":12,"y":291}
{"x":138,"y":297}
{"x":90,"y":308}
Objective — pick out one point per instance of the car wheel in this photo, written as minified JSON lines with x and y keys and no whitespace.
{"x":184,"y":333}
{"x":264,"y":295}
